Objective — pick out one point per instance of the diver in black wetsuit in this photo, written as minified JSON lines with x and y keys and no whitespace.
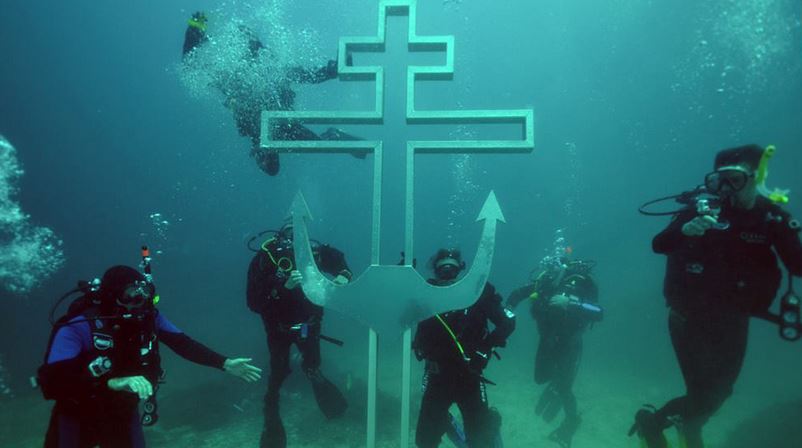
{"x":274,"y":292}
{"x":457,"y":346}
{"x":248,"y":105}
{"x":564,"y":300}
{"x":103,"y":358}
{"x":721,"y":270}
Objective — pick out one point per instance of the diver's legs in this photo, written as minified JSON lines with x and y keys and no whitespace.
{"x":273,"y":434}
{"x":480,"y":429}
{"x":64,"y":431}
{"x":545,"y":359}
{"x":567,"y":367}
{"x":266,"y":159}
{"x":330,"y":400}
{"x":433,"y":419}
{"x":563,"y":382}
{"x":710,"y":349}
{"x":549,"y":403}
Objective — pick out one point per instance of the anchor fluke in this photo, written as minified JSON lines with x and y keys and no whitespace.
{"x":491,"y":210}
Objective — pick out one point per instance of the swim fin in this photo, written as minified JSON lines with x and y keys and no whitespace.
{"x":495,"y":423}
{"x":455,"y":433}
{"x":649,"y":429}
{"x":340,"y":135}
{"x":273,"y":436}
{"x":329,"y":398}
{"x":564,"y":434}
{"x":549,"y":404}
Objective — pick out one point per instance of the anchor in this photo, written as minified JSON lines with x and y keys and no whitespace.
{"x":377,"y":297}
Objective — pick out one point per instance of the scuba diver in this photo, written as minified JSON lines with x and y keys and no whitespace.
{"x":456,"y":346}
{"x":289,"y":317}
{"x":564,"y":303}
{"x":103,"y":360}
{"x":247,"y":101}
{"x":721,"y":270}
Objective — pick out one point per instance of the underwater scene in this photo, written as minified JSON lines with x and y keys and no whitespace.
{"x":401,"y":223}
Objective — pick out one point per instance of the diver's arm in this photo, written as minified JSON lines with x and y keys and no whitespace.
{"x":671,"y":238}
{"x":314,"y":76}
{"x":186,"y":347}
{"x":68,"y":380}
{"x":257,"y":286}
{"x":332,"y":261}
{"x":192,"y":350}
{"x":519,"y":295}
{"x":502,"y":318}
{"x":66,"y":374}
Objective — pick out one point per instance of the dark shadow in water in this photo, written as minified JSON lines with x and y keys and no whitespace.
{"x":778,"y":426}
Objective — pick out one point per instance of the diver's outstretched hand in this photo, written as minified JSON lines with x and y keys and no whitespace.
{"x":138,"y":385}
{"x":241,"y":368}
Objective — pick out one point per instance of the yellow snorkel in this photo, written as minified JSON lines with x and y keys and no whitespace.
{"x":198,"y":20}
{"x":778,"y":196}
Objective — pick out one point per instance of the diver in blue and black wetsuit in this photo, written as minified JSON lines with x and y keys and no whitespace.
{"x":247,"y":104}
{"x":103,"y":359}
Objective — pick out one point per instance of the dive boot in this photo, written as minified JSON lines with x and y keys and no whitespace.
{"x":564,"y":434}
{"x":649,"y":428}
{"x":455,"y":433}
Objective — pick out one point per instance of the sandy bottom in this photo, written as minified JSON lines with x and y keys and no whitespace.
{"x":222,"y":414}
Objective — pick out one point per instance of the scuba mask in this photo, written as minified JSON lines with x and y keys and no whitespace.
{"x":136,"y":296}
{"x":727,"y":180}
{"x":283,"y":239}
{"x":448,"y":268}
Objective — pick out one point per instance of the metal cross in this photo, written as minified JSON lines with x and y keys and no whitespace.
{"x":378,"y":296}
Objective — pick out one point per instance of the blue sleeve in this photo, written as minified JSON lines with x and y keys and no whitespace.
{"x":70,"y":341}
{"x":165,"y":325}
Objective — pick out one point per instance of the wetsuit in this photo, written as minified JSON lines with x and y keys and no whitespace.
{"x":87,"y":413}
{"x":248,"y":105}
{"x":454,"y":365}
{"x":289,"y":317}
{"x":713,"y":284}
{"x":559,"y":350}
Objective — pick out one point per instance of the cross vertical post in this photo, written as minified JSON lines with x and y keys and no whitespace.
{"x":396,"y":285}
